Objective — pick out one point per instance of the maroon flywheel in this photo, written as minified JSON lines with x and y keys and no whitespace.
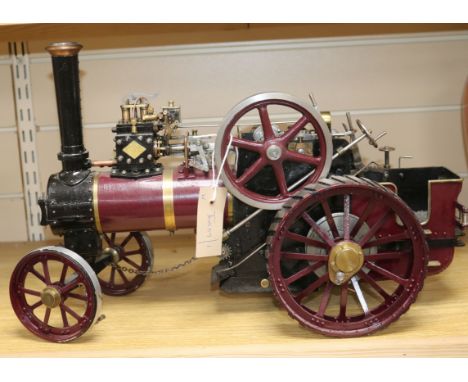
{"x":272,"y":147}
{"x":132,"y":255}
{"x":55,"y":294}
{"x":346,"y":257}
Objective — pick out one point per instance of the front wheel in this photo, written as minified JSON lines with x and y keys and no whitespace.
{"x":55,"y":294}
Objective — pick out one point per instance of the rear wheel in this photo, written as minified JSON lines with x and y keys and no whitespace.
{"x":346,"y":257}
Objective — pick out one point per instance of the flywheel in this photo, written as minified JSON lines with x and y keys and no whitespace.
{"x":346,"y":257}
{"x":265,"y":164}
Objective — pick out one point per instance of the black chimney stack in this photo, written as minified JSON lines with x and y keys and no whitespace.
{"x":73,"y":154}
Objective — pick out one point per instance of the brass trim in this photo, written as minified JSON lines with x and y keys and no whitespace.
{"x":230,"y":208}
{"x":168,"y":199}
{"x":345,"y":260}
{"x":64,"y":49}
{"x":97,"y":219}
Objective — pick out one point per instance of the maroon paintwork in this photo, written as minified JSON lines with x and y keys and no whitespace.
{"x":374,"y":206}
{"x":240,"y":182}
{"x":126,"y":205}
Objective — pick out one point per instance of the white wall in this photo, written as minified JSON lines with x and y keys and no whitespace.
{"x":411,"y":86}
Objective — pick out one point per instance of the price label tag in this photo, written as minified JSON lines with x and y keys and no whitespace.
{"x":210,"y":218}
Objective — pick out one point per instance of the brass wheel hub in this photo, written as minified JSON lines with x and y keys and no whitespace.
{"x":51,"y":297}
{"x":113,"y":253}
{"x":345,"y":260}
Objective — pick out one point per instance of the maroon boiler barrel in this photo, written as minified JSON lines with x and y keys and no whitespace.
{"x":168,"y":201}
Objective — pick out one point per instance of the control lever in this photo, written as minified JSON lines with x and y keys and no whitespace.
{"x":367,"y":133}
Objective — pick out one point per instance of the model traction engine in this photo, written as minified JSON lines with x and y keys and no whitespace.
{"x":344,"y":247}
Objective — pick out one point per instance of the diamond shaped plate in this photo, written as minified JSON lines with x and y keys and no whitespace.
{"x":134,"y":149}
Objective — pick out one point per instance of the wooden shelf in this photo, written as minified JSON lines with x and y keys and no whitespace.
{"x":181,"y":315}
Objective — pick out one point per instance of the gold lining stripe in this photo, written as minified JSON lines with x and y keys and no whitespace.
{"x":97,"y":219}
{"x":230,"y":208}
{"x":168,"y":199}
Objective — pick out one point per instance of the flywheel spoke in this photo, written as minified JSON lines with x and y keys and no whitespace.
{"x":294,"y":129}
{"x":280,"y":178}
{"x":268,"y":132}
{"x":302,"y":158}
{"x":247,"y":145}
{"x":250,"y":172}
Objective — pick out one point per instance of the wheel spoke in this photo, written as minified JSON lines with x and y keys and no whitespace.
{"x":112,"y":276}
{"x":373,"y":283}
{"x":108,"y":240}
{"x":134,"y":252}
{"x":267,"y":128}
{"x":302,"y":158}
{"x":330,"y":220}
{"x":31,"y":292}
{"x":312,"y":287}
{"x":303,"y":256}
{"x":38,"y":275}
{"x":124,"y":278}
{"x":112,"y":238}
{"x":325,"y":299}
{"x":387,"y":239}
{"x":247,"y":145}
{"x":250,"y":172}
{"x":70,"y":311}
{"x":386,"y":273}
{"x":306,"y":240}
{"x":294,"y":129}
{"x":375,"y":228}
{"x":45,"y":268}
{"x":343,"y":301}
{"x":346,"y":218}
{"x":77,"y":296}
{"x":386,"y":255}
{"x":323,"y":235}
{"x":63,"y":274}
{"x":303,"y":272}
{"x":70,"y":286}
{"x":47,"y":315}
{"x":126,"y":240}
{"x":36,"y":305}
{"x":130,"y":262}
{"x":280,"y":178}
{"x":64,"y":317}
{"x":362,"y":219}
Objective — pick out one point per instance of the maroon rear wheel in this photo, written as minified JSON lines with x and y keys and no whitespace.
{"x":271,"y":147}
{"x":132,"y":254}
{"x":55,"y":294}
{"x":346,"y":257}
